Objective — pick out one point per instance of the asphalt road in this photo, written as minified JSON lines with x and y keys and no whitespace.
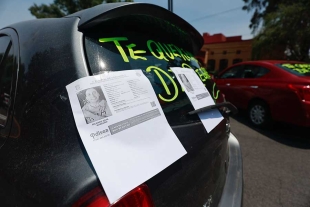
{"x":276,"y":164}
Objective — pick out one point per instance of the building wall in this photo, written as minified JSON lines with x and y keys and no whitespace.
{"x":220,"y":52}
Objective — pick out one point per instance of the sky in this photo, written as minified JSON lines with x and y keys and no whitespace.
{"x":211,"y":16}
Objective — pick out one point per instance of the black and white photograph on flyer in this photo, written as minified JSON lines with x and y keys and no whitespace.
{"x":187,"y":84}
{"x":93,"y":104}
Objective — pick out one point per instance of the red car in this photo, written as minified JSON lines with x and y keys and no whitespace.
{"x":269,"y":90}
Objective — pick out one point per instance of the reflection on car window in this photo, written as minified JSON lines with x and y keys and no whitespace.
{"x":6,"y":71}
{"x":254,"y":71}
{"x":234,"y":72}
{"x":262,"y":71}
{"x":4,"y":44}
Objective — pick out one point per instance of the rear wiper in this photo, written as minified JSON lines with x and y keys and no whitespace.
{"x":231,"y":108}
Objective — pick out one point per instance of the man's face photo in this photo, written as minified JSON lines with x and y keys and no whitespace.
{"x":92,"y":95}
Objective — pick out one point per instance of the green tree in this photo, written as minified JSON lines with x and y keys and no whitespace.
{"x":62,"y":8}
{"x":284,"y":28}
{"x":262,"y":8}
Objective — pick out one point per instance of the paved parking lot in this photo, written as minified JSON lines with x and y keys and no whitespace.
{"x":276,"y":164}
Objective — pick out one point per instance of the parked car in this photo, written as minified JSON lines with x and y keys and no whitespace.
{"x":42,"y":159}
{"x":269,"y":90}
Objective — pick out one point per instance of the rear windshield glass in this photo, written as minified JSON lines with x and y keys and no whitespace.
{"x":300,"y":69}
{"x":152,"y":45}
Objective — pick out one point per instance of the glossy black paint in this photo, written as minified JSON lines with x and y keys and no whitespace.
{"x":40,"y":161}
{"x":4,"y":132}
{"x":43,"y":161}
{"x":91,"y":17}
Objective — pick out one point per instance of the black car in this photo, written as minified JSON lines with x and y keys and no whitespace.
{"x":42,"y":159}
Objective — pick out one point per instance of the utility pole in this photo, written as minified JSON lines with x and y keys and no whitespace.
{"x":170,"y":5}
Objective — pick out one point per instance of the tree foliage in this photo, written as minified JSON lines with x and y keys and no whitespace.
{"x":261,"y":9}
{"x":60,"y":8}
{"x":285,"y":28}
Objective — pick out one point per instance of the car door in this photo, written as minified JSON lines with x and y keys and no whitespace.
{"x":228,"y":81}
{"x":245,"y":83}
{"x":251,"y":85}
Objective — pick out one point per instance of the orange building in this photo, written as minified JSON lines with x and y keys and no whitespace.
{"x":220,"y":52}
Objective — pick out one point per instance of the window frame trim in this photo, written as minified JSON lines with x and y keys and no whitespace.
{"x":15,"y":46}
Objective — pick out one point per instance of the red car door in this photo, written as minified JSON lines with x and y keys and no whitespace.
{"x":244,"y":85}
{"x":253,"y":85}
{"x":228,"y":83}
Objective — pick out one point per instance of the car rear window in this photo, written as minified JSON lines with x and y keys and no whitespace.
{"x":152,"y":45}
{"x":300,"y":69}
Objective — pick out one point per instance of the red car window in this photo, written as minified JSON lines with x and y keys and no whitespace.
{"x":234,"y":72}
{"x":300,"y":69}
{"x":254,"y":71}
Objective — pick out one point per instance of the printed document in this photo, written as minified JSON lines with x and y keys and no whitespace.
{"x":199,"y":96}
{"x":123,"y":129}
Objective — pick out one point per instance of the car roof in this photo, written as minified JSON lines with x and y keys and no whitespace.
{"x":272,"y":62}
{"x":95,"y":15}
{"x":265,"y":62}
{"x":92,"y":16}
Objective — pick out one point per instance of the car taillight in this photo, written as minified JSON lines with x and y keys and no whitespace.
{"x":302,"y":91}
{"x":138,"y":197}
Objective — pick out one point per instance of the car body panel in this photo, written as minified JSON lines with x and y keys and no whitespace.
{"x":43,"y":160}
{"x":233,"y":189}
{"x":90,"y":18}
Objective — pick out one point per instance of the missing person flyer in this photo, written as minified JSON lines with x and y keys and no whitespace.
{"x":199,"y":96}
{"x":123,"y":129}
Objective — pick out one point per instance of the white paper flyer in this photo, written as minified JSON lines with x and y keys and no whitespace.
{"x":123,"y":129}
{"x":199,"y":96}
